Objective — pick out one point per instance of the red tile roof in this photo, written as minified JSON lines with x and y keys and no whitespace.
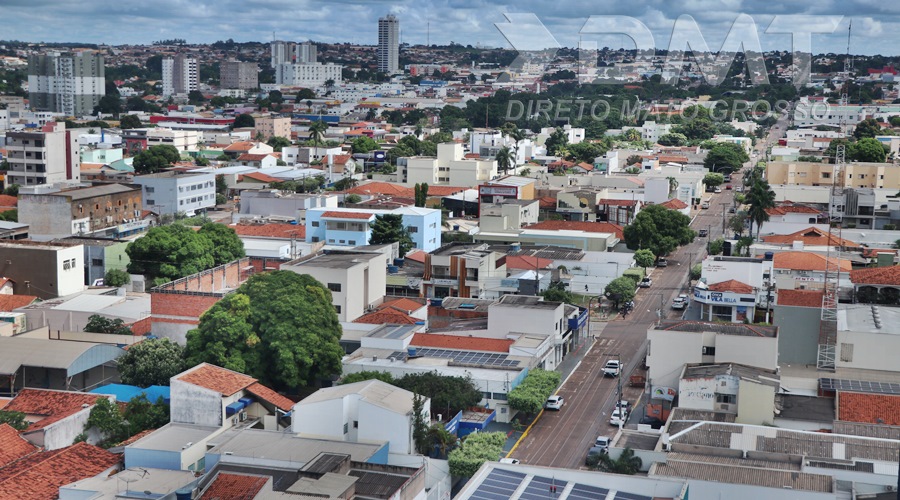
{"x":445,"y":190}
{"x":340,"y":159}
{"x":547,"y":202}
{"x":792,"y":209}
{"x":333,"y":214}
{"x":252,"y":157}
{"x":51,"y":405}
{"x":586,"y":166}
{"x":270,"y":396}
{"x":10,"y":302}
{"x":674,"y":204}
{"x":257,"y":176}
{"x":225,"y":382}
{"x":869,"y":408}
{"x":876,"y":276}
{"x":590,"y":227}
{"x":460,"y":342}
{"x":403,"y":304}
{"x":240,"y":146}
{"x":388,"y":315}
{"x":529,"y":262}
{"x":8,"y":201}
{"x":385,"y":188}
{"x":228,"y":486}
{"x":417,"y":256}
{"x":41,"y":474}
{"x":617,"y":203}
{"x":13,"y":446}
{"x":733,"y":286}
{"x":275,"y":230}
{"x":805,"y":261}
{"x":800,"y":298}
{"x":810,"y":236}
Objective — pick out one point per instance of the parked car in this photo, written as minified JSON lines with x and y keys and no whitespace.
{"x":717,"y":190}
{"x":680,"y":302}
{"x":731,"y":210}
{"x":619,"y":416}
{"x":513,"y":461}
{"x":645,"y":283}
{"x":554,"y":403}
{"x":728,"y":186}
{"x":739,"y":189}
{"x":601,"y":445}
{"x":703,"y":233}
{"x":624,"y":404}
{"x":662,"y":262}
{"x":612,"y":368}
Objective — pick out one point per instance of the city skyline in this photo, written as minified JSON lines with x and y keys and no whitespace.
{"x":468,"y":22}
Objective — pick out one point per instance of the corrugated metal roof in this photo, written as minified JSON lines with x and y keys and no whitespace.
{"x":74,"y":357}
{"x":745,"y":475}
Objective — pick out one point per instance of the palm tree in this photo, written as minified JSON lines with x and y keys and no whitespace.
{"x":317,"y":131}
{"x":516,"y":135}
{"x":760,"y":198}
{"x":627,"y":463}
{"x":442,"y":439}
{"x":503,"y":158}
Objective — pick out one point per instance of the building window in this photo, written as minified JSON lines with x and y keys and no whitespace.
{"x":337,"y":309}
{"x":96,"y":262}
{"x":334,"y":287}
{"x":726,"y":398}
{"x":709,"y":350}
{"x":346,"y":430}
{"x":315,"y":239}
{"x":356,"y":424}
{"x":314,"y":223}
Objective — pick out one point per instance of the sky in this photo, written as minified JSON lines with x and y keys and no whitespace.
{"x":876,"y":23}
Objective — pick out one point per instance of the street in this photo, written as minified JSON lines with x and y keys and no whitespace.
{"x":562,"y":438}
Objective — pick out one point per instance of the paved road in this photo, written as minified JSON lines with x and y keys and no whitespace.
{"x":562,"y":439}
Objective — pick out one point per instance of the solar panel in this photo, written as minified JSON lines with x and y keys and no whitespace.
{"x":830,"y":384}
{"x":630,"y":496}
{"x":585,"y":492}
{"x":463,"y":357}
{"x":498,"y":485}
{"x":539,"y":487}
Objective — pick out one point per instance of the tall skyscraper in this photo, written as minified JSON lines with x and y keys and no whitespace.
{"x":388,"y":44}
{"x":180,"y":75}
{"x":306,"y":53}
{"x":282,"y":52}
{"x":72,"y":83}
{"x":239,"y":75}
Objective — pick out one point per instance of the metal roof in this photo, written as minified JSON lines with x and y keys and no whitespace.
{"x":74,"y":357}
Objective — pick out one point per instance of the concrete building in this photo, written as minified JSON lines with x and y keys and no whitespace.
{"x":460,"y":270}
{"x":356,"y":279}
{"x":182,"y":140}
{"x":44,"y":156}
{"x":350,"y":227}
{"x":508,"y":214}
{"x":449,"y":167}
{"x":364,"y":411}
{"x":55,"y":417}
{"x":239,"y":75}
{"x":856,"y":175}
{"x":101,"y":255}
{"x":270,"y":126}
{"x":674,"y":343}
{"x":175,"y":192}
{"x":103,"y":210}
{"x":388,"y":52}
{"x":747,"y":392}
{"x":729,"y":301}
{"x":70,"y":84}
{"x":180,"y":75}
{"x":281,"y":53}
{"x":46,"y":270}
{"x":271,"y":202}
{"x":308,"y":75}
{"x":305,"y":52}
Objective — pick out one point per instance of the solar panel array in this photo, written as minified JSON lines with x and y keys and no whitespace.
{"x":464,"y":357}
{"x":833,"y":384}
{"x":502,"y":484}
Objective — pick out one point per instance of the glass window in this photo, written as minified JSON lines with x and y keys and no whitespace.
{"x":334,"y":287}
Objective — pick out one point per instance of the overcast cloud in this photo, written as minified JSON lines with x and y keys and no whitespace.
{"x":876,"y":23}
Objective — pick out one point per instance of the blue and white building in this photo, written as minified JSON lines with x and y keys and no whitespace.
{"x":351,"y":227}
{"x":173,"y":191}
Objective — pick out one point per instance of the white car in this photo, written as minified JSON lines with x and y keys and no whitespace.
{"x":554,"y":403}
{"x":612,"y":368}
{"x":680,"y":302}
{"x":645,"y":283}
{"x":513,"y":461}
{"x":717,"y":190}
{"x":618,"y":417}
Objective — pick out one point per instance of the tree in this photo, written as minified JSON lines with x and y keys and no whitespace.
{"x":449,"y":395}
{"x":305,"y":94}
{"x":627,"y":463}
{"x":107,"y":420}
{"x":421,"y":194}
{"x":631,"y":135}
{"x":530,"y":395}
{"x":504,"y":159}
{"x":116,"y":278}
{"x":10,"y":215}
{"x":351,"y":199}
{"x":736,"y":223}
{"x":673,"y":139}
{"x":140,"y":414}
{"x":352,"y":378}
{"x":167,"y":253}
{"x":557,"y":292}
{"x":420,"y":428}
{"x":155,"y":158}
{"x":716,"y":246}
{"x":278,"y":143}
{"x":620,"y":290}
{"x":631,"y":160}
{"x":713,"y":179}
{"x":279,"y":327}
{"x":696,"y":272}
{"x":761,"y":198}
{"x":110,"y":104}
{"x":15,"y":419}
{"x":557,"y":141}
{"x":867,"y":128}
{"x":388,"y":228}
{"x":659,"y":230}
{"x":151,"y":362}
{"x":196,"y":97}
{"x":244,"y":120}
{"x":725,"y":157}
{"x":227,"y":246}
{"x":585,"y":152}
{"x":362,"y":145}
{"x":867,"y":150}
{"x":476,"y":449}
{"x":317,"y":131}
{"x":102,"y":324}
{"x":644,"y":258}
{"x":441,"y":439}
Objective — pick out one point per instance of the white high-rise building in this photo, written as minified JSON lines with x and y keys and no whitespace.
{"x":305,"y":53}
{"x":307,"y":75}
{"x":180,"y":75}
{"x":282,"y":52}
{"x":388,"y":44}
{"x":72,"y":84}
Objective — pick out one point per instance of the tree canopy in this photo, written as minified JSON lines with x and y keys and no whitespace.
{"x":101,"y":324}
{"x":279,"y":327}
{"x":713,"y":179}
{"x":244,"y":120}
{"x":530,"y":395}
{"x":129,"y":122}
{"x":659,"y":230}
{"x":557,"y":292}
{"x":761,"y":198}
{"x":644,"y":258}
{"x":363,"y":145}
{"x":867,"y":128}
{"x":725,"y":157}
{"x":151,"y":362}
{"x":476,"y":449}
{"x":388,"y":228}
{"x":867,"y":150}
{"x":155,"y":158}
{"x":673,"y":139}
{"x":620,"y":290}
{"x":278,"y":143}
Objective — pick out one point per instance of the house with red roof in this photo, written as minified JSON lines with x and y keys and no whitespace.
{"x":877,"y":284}
{"x":257,"y":160}
{"x":55,"y":418}
{"x":806,"y":270}
{"x":211,"y":396}
{"x":789,"y":217}
{"x":39,"y":476}
{"x":730,"y":300}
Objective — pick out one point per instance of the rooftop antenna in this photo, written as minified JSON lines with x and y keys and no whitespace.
{"x":428,"y":35}
{"x":848,"y":61}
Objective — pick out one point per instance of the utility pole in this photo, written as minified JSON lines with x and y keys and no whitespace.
{"x":723,"y":218}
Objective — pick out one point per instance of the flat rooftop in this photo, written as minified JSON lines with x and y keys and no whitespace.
{"x":527,"y":301}
{"x":759,"y":375}
{"x":722,"y":328}
{"x":254,"y":445}
{"x":868,"y":318}
{"x":173,"y":437}
{"x":461,"y":249}
{"x":333,"y":260}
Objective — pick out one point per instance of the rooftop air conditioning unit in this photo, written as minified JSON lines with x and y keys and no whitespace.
{"x":234,"y":421}
{"x":243,"y":416}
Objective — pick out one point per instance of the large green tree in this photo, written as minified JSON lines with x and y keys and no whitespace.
{"x":867,"y":128}
{"x":244,"y":120}
{"x":388,"y":228}
{"x":644,"y":258}
{"x":557,"y":292}
{"x":155,"y":158}
{"x":867,"y":150}
{"x":530,"y":395}
{"x":101,"y":324}
{"x":713,"y":179}
{"x":725,"y":157}
{"x":129,"y":121}
{"x":557,"y":142}
{"x":620,"y":290}
{"x":659,"y":230}
{"x":167,"y":253}
{"x":227,"y":246}
{"x":279,"y":327}
{"x":476,"y":449}
{"x":449,"y":395}
{"x":278,"y":143}
{"x":151,"y":362}
{"x":363,"y":145}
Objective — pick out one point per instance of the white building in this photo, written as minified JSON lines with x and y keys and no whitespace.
{"x":450,"y":167}
{"x":282,"y":52}
{"x":364,"y":411}
{"x":652,"y":131}
{"x":308,"y":75}
{"x":46,"y":156}
{"x":305,"y":52}
{"x":744,"y":391}
{"x":388,"y":51}
{"x":174,"y":191}
{"x":745,"y":142}
{"x":573,"y":134}
{"x":180,"y":75}
{"x":182,"y":140}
